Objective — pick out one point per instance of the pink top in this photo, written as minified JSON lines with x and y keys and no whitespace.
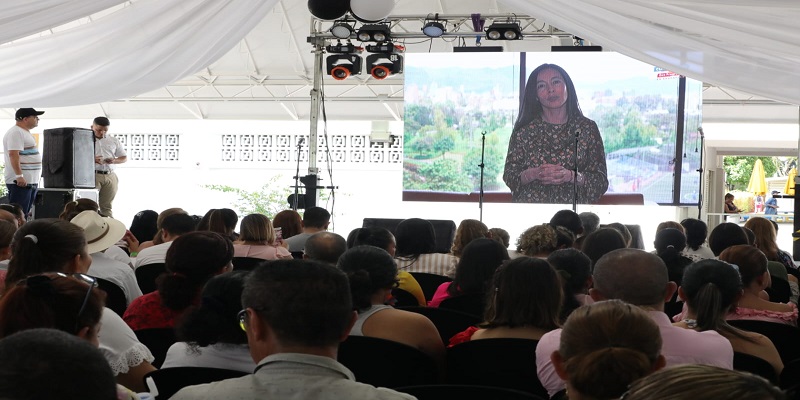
{"x":440,"y":295}
{"x":266,"y":252}
{"x":788,"y":318}
{"x":680,"y":346}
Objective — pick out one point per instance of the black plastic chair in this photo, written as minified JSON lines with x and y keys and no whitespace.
{"x":439,"y":392}
{"x":403,"y":298}
{"x":158,"y":340}
{"x":297,"y":255}
{"x":472,"y":303}
{"x":754,"y":365}
{"x":115,"y":296}
{"x":790,"y":377}
{"x":385,"y":363}
{"x":780,"y":291}
{"x":506,"y":363}
{"x":448,"y":322}
{"x":429,"y":282}
{"x":246,"y":263}
{"x":169,"y":381}
{"x":786,"y":338}
{"x":146,"y":276}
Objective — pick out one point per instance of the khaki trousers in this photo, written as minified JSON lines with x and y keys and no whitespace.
{"x":107,"y":185}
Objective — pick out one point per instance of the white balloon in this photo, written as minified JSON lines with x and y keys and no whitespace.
{"x":371,"y":10}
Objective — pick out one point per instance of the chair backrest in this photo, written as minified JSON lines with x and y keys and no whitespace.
{"x":472,"y":303}
{"x":115,"y":296}
{"x":448,"y":322}
{"x":786,"y":338}
{"x":169,"y":381}
{"x":429,"y":282}
{"x":297,"y":255}
{"x":386,"y":363}
{"x":146,"y":276}
{"x":755,"y":365}
{"x":158,"y":340}
{"x":790,"y":377}
{"x":403,"y":298}
{"x":780,"y":291}
{"x":439,"y":392}
{"x":508,"y":363}
{"x":246,"y":263}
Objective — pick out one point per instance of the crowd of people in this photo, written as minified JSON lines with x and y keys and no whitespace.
{"x":608,"y":320}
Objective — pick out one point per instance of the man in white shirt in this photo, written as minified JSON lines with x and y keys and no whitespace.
{"x":640,"y":278}
{"x":23,"y":166}
{"x":173,"y":227}
{"x":108,"y":151}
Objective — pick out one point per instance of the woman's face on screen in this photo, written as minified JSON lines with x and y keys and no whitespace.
{"x":551,"y":89}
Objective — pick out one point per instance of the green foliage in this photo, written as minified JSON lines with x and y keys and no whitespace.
{"x":3,"y":188}
{"x":494,"y":162}
{"x":630,"y":131}
{"x":739,"y":168}
{"x":268,"y":200}
{"x":440,"y":175}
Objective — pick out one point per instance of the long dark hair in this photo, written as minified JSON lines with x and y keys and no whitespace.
{"x":415,"y":236}
{"x":476,"y":267}
{"x":530,"y":108}
{"x":215,"y":319}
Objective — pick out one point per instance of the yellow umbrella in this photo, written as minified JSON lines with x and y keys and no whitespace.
{"x":758,"y":181}
{"x":789,"y":188}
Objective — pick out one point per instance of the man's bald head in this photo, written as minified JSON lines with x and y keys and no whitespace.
{"x":633,"y":276}
{"x":325,"y":246}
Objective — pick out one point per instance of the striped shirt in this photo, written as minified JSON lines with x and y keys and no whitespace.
{"x":431,"y":263}
{"x":30,"y":161}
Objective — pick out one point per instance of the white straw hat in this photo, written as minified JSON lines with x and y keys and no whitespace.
{"x":101,"y":232}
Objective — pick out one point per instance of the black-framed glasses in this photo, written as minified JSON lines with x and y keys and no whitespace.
{"x":38,"y":280}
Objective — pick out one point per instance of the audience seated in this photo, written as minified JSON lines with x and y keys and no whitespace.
{"x":324,"y":247}
{"x":51,"y":364}
{"x":766,"y":241}
{"x":158,"y":238}
{"x":382,"y":238}
{"x":711,"y":288}
{"x":669,"y":246}
{"x":416,"y":242}
{"x":752,"y":264}
{"x":7,"y":231}
{"x":641,"y":279}
{"x":373,"y":274}
{"x":209,"y":333}
{"x":220,"y":220}
{"x":696,"y":247}
{"x":101,"y":233}
{"x":702,"y":381}
{"x":474,"y":271}
{"x":289,"y":222}
{"x":606,"y":346}
{"x":570,"y":220}
{"x":524,"y":302}
{"x":590,"y":222}
{"x":537,"y":241}
{"x":602,"y":241}
{"x":73,"y":208}
{"x":725,"y":235}
{"x":16,"y":211}
{"x":565,"y":239}
{"x":623,"y":230}
{"x":54,"y":245}
{"x":192,"y":260}
{"x":500,"y":235}
{"x":144,"y":225}
{"x":257,"y":240}
{"x":468,"y":230}
{"x":315,"y":219}
{"x":172,"y":228}
{"x":295,"y":313}
{"x":575,"y":270}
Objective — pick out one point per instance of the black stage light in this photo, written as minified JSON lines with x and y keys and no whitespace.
{"x":433,"y":29}
{"x":341,"y":30}
{"x":381,"y":66}
{"x":341,"y":66}
{"x":504,"y":31}
{"x":378,"y":33}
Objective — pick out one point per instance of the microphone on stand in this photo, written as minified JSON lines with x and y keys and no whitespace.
{"x":575,"y":177}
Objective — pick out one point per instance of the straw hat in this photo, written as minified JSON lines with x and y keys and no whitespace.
{"x":101,"y":232}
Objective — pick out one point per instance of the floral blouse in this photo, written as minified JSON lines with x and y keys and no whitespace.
{"x":544,"y":143}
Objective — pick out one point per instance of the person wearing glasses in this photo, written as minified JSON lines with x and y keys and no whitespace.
{"x":296,"y":312}
{"x":210,"y":333}
{"x":67,"y":302}
{"x":23,"y":160}
{"x":54,"y":245}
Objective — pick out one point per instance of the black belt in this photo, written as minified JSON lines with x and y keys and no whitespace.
{"x":103,"y":172}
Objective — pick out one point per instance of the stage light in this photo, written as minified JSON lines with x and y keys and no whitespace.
{"x":504,"y":31}
{"x":433,"y":29}
{"x":341,"y":66}
{"x":371,"y":10}
{"x":378,"y":33}
{"x":341,"y":30}
{"x":328,"y":9}
{"x":381,"y":66}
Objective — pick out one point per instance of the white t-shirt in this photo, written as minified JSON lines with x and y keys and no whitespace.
{"x":119,"y":344}
{"x":220,"y":355}
{"x":116,"y":272}
{"x":152,"y":255}
{"x":108,"y":147}
{"x":30,"y":160}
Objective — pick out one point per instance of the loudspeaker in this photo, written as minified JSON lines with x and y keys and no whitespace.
{"x":50,"y":203}
{"x":68,"y":158}
{"x":445,"y":230}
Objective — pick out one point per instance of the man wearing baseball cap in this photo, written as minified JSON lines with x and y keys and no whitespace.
{"x":23,"y":166}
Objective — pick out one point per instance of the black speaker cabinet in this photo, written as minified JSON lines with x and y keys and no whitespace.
{"x":50,"y":203}
{"x":68,"y":159}
{"x":445,"y":230}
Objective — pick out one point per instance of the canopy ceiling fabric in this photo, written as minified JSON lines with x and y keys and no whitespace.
{"x":749,"y":45}
{"x":142,"y":47}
